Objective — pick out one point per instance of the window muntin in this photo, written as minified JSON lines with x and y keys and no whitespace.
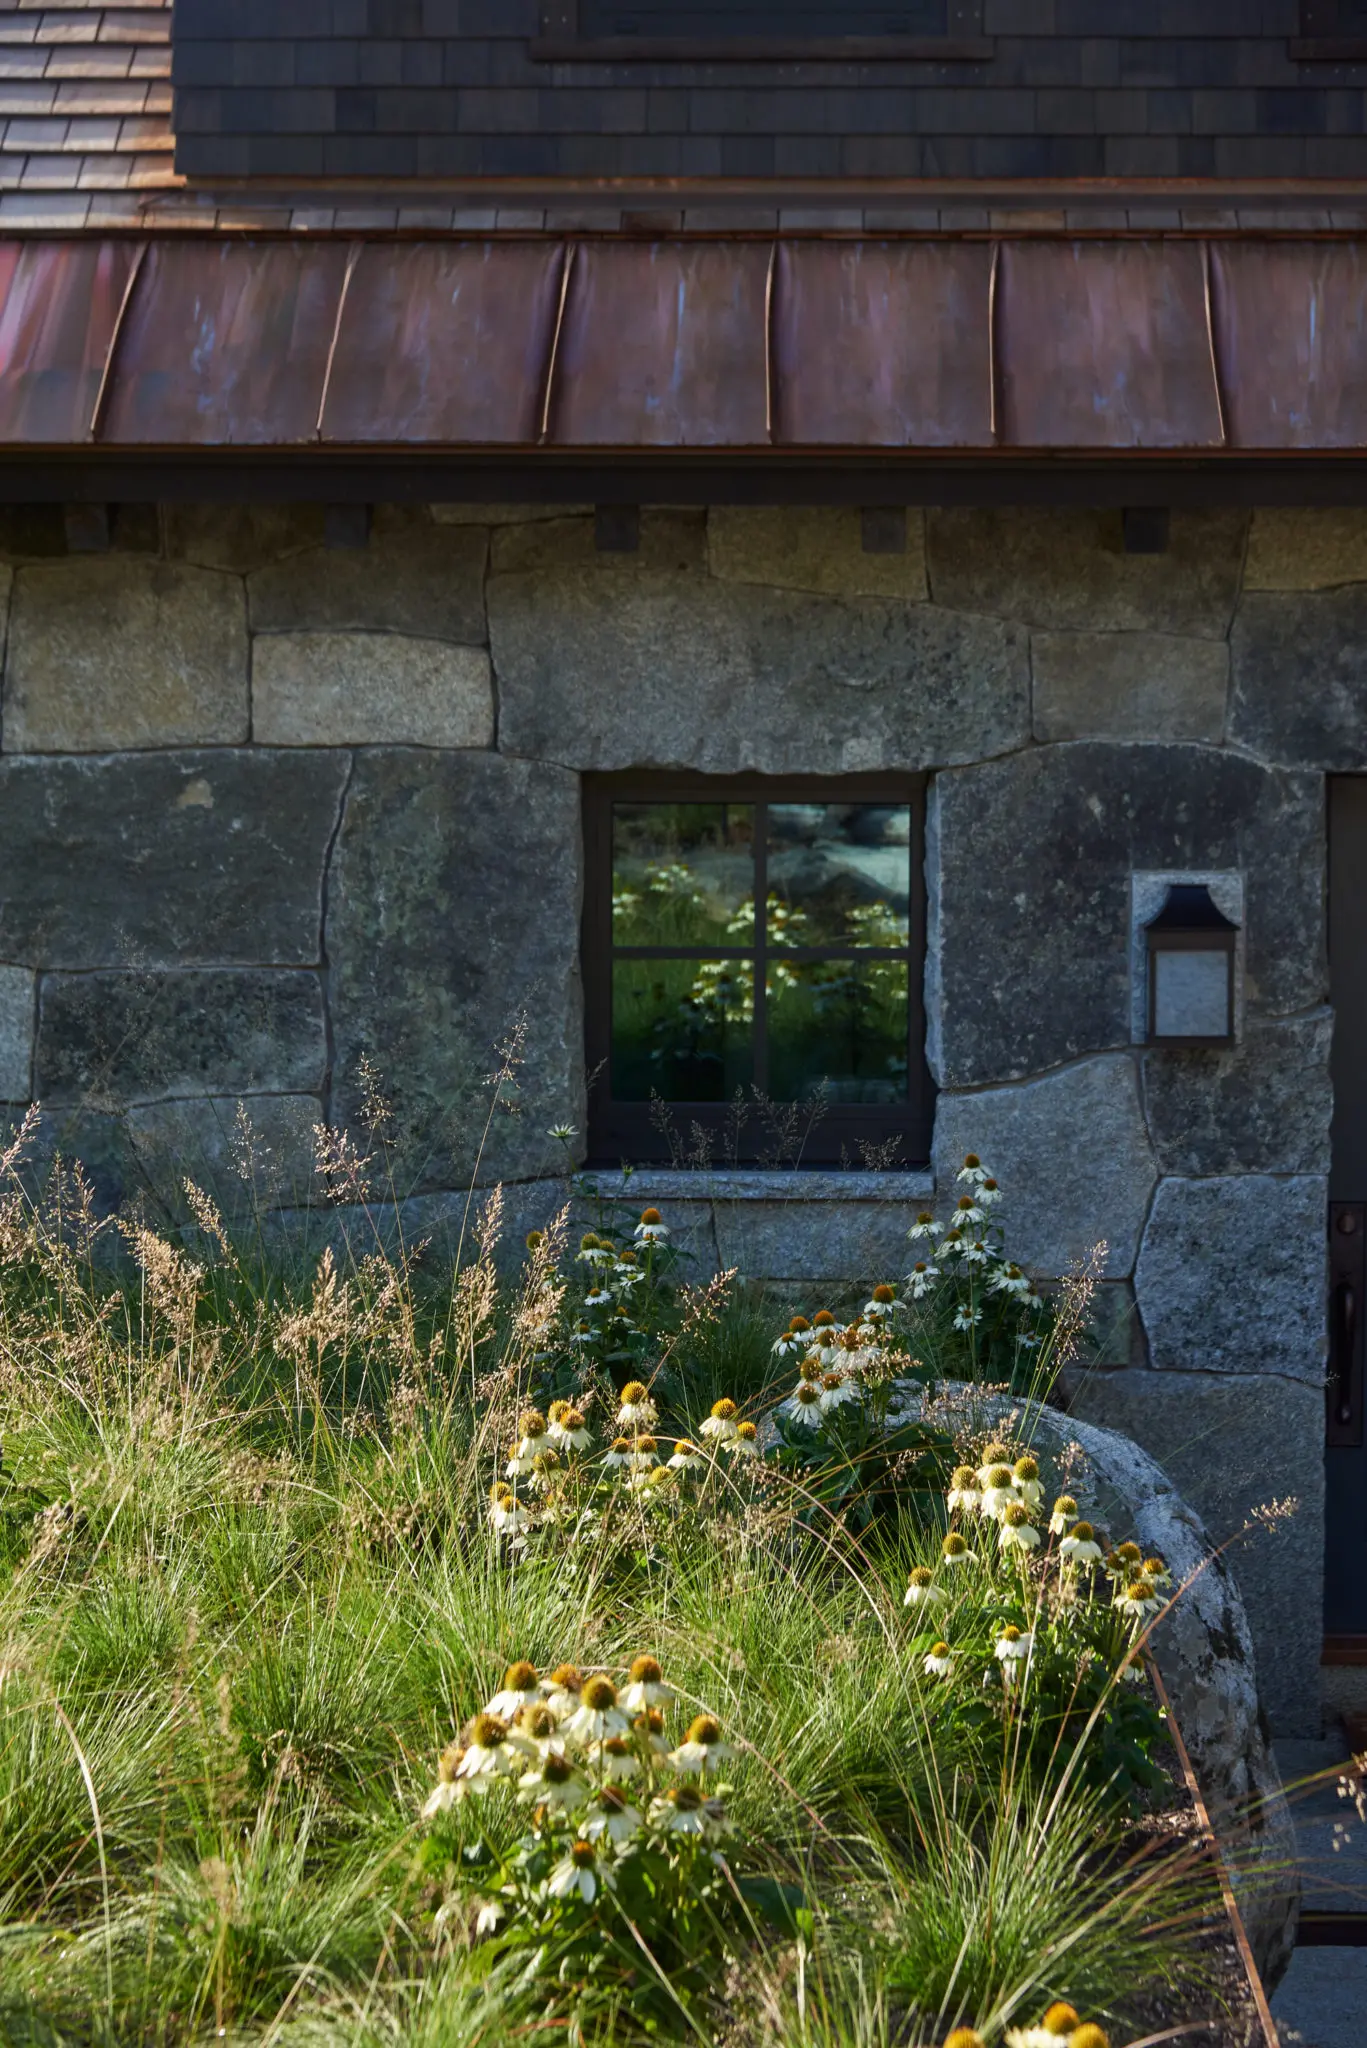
{"x":761,"y":941}
{"x":724,"y":19}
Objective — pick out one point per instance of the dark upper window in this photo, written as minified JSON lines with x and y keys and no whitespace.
{"x":753,"y":960}
{"x":1335,"y":30}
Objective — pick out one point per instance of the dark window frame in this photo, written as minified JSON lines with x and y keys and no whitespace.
{"x":626,"y":1131}
{"x":561,"y":41}
{"x":1324,"y":39}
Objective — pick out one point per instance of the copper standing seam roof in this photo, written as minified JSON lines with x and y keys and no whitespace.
{"x":1094,"y":346}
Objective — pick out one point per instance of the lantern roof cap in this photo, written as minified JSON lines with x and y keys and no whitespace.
{"x":1190,"y":908}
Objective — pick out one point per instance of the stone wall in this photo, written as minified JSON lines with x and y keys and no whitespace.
{"x":266,"y":807}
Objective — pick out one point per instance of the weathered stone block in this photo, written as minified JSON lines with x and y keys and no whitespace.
{"x":1306,"y":547}
{"x":1232,"y":1443}
{"x":602,"y":665}
{"x":97,"y":1142}
{"x":812,"y":547}
{"x":16,"y":1033}
{"x":1069,"y":570}
{"x":417,"y":578}
{"x":453,"y":912}
{"x":245,"y":1153}
{"x":505,"y":515}
{"x":240,"y":537}
{"x":668,"y":543}
{"x":114,"y":651}
{"x":1300,"y":678}
{"x":1231,"y":1276}
{"x":807,"y":1244}
{"x":1262,"y":1107}
{"x":1073,"y":1157}
{"x":121,"y":1038}
{"x":1128,"y":686}
{"x":1029,"y":866}
{"x":369,"y":689}
{"x":166,"y":860}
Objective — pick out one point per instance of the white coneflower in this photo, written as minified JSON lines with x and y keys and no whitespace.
{"x":613,"y":1815}
{"x":1017,"y":1530}
{"x":533,"y":1730}
{"x":1157,"y":1573}
{"x":1058,"y":2023}
{"x":795,"y":1338}
{"x":881,"y":1303}
{"x":508,"y":1518}
{"x":1124,"y":1562}
{"x":601,"y":1297}
{"x":553,"y":1781}
{"x":1063,"y":1513}
{"x":924,"y":1226}
{"x":965,"y":1494}
{"x":488,"y":1917}
{"x":643,"y":1456}
{"x":1080,"y":1546}
{"x":649,"y":1728}
{"x":954,"y":1550}
{"x":562,"y":1688}
{"x":521,"y":1688}
{"x":487,"y":1755}
{"x":593,"y":1250}
{"x":1138,"y":1600}
{"x":922,"y":1590}
{"x":637,"y":1410}
{"x":973,"y":1171}
{"x":651,"y":1229}
{"x":616,"y":1759}
{"x":531,"y":1441}
{"x":920,"y":1280}
{"x":687,"y":1457}
{"x":1025,"y":1472}
{"x":1012,"y":1646}
{"x":721,"y":1423}
{"x":938,"y":1661}
{"x":803,"y":1408}
{"x":1009,"y":1279}
{"x":619,"y":1454}
{"x":645,"y":1686}
{"x":569,"y":1427}
{"x":966,"y":1211}
{"x":745,"y":1442}
{"x":450,"y":1788}
{"x":966,"y":1318}
{"x":578,"y":1872}
{"x":950,"y":1245}
{"x":598,"y":1714}
{"x":702,"y":1749}
{"x":836,"y":1390}
{"x":987,"y":1193}
{"x":546,"y":1467}
{"x":999,"y":1491}
{"x":993,"y":1455}
{"x":679,"y":1812}
{"x":583,"y":1333}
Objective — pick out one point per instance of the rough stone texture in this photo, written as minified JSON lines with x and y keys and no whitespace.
{"x":1262,"y":1107}
{"x":166,"y":860}
{"x":637,"y":661}
{"x":453,"y":910}
{"x":808,"y":547}
{"x":412,"y":578}
{"x":369,"y":689}
{"x":1305,"y":547}
{"x":505,"y":515}
{"x":247,"y":1153}
{"x":240,"y":537}
{"x":1073,"y":1157}
{"x":1231,"y":1445}
{"x":98,"y":1141}
{"x":1128,"y":686}
{"x":121,"y":1038}
{"x":667,"y":542}
{"x":802,"y":1244}
{"x":1231,"y":1276}
{"x":1029,"y":867}
{"x":1300,"y":678}
{"x":113,"y":651}
{"x":1069,"y":570}
{"x":16,"y":1034}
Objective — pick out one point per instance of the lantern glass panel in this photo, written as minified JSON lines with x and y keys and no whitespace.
{"x":1191,"y":994}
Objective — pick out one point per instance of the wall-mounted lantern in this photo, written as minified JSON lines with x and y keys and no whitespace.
{"x":1191,"y":947}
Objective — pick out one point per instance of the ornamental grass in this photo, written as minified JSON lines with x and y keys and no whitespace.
{"x":391,"y":1653}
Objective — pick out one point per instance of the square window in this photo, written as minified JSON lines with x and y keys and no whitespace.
{"x":1331,"y":31}
{"x":753,"y":957}
{"x":786,"y":30}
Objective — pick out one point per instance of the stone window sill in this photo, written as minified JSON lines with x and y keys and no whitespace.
{"x":760,"y":1184}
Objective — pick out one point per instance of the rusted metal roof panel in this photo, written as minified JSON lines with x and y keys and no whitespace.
{"x":445,"y":342}
{"x":225,"y":344}
{"x":1105,"y":345}
{"x":883,"y":344}
{"x":1291,"y":333}
{"x":59,"y":308}
{"x":663,"y":345}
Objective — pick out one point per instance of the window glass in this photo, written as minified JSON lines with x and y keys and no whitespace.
{"x":681,"y":873}
{"x":838,"y":1027}
{"x":838,"y":874}
{"x":712,"y":19}
{"x":682,"y":1030}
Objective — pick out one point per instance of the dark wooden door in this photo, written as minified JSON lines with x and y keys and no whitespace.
{"x":1345,"y":1579}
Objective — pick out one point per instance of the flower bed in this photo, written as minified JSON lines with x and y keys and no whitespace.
{"x":388,"y":1657}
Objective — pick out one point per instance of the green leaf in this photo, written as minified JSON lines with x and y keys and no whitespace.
{"x":782,"y":1905}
